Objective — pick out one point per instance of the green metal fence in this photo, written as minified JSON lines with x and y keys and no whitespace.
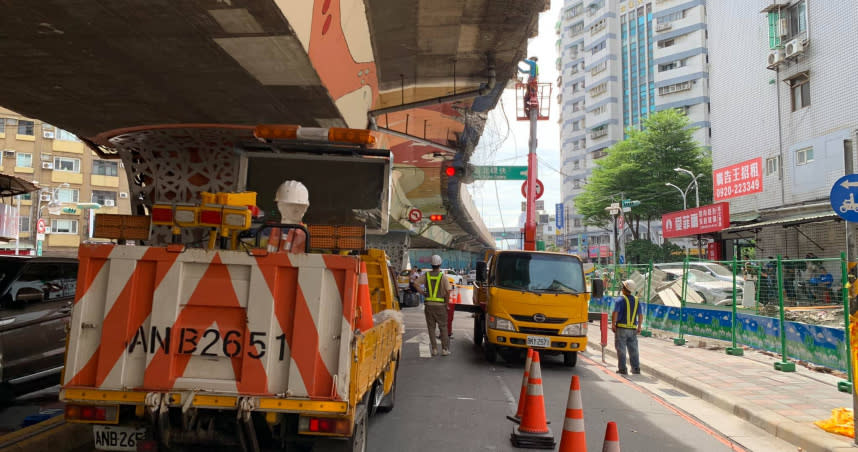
{"x":798,"y":308}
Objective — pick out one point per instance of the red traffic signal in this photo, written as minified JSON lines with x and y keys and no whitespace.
{"x":450,"y":171}
{"x":436,"y":217}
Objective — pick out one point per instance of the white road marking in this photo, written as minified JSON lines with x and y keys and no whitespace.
{"x":422,"y":338}
{"x":510,"y":399}
{"x":424,"y":351}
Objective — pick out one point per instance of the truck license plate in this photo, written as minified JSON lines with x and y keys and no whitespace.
{"x":538,"y":341}
{"x":117,"y":438}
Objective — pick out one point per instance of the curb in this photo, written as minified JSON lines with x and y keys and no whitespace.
{"x":808,"y":437}
{"x":47,"y":435}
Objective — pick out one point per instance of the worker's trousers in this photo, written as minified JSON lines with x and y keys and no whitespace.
{"x":627,"y":338}
{"x":436,"y":314}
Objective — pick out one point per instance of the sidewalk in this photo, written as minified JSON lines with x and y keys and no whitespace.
{"x":784,"y":404}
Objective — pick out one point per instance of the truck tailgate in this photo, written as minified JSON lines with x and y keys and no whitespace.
{"x":146,"y":318}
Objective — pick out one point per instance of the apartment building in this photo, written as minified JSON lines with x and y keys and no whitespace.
{"x":780,"y":74}
{"x":619,"y":62}
{"x":68,"y":173}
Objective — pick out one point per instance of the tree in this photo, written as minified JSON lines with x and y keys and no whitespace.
{"x":638,"y":167}
{"x":643,"y":251}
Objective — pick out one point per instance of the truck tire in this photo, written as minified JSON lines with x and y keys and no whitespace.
{"x":357,"y":442}
{"x":478,"y":330}
{"x":389,"y":400}
{"x":490,"y":351}
{"x":570,"y":359}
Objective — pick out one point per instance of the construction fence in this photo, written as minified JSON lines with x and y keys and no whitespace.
{"x":746,"y":303}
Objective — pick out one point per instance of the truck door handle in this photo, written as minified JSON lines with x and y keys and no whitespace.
{"x":7,"y":321}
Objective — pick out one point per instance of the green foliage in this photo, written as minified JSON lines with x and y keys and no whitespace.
{"x":639,"y":166}
{"x":643,"y":251}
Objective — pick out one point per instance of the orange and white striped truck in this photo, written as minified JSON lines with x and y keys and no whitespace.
{"x":235,"y":347}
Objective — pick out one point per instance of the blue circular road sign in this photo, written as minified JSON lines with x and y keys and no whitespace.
{"x":843,"y":195}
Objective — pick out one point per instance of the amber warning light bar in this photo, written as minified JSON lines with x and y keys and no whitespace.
{"x":266,"y":132}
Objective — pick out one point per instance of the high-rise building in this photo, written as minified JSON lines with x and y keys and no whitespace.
{"x":67,"y":173}
{"x":783,"y":106}
{"x":620,"y":61}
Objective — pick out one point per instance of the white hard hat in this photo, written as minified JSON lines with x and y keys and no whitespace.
{"x":629,"y":285}
{"x":436,"y":260}
{"x":293,"y":192}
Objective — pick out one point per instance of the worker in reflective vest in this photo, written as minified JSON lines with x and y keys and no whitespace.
{"x":292,"y":201}
{"x":626,"y":324}
{"x":437,"y":295}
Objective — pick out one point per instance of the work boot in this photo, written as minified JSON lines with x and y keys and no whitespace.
{"x":445,"y":352}
{"x":434,"y":351}
{"x":636,"y":371}
{"x":622,"y":372}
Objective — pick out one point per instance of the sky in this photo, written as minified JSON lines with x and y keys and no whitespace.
{"x":505,"y":140}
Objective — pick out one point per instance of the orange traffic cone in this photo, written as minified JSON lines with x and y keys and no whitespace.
{"x":533,"y":431}
{"x":574,"y":439}
{"x":522,"y":396}
{"x":612,"y":438}
{"x":364,"y":314}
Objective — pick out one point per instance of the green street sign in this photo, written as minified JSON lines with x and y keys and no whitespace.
{"x":500,"y":173}
{"x":630,"y":203}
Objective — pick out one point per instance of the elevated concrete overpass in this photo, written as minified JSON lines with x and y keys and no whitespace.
{"x":424,"y":72}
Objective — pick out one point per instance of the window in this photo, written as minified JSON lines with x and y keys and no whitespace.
{"x":2,"y":125}
{"x":27,"y":197}
{"x":675,"y":88}
{"x":69,"y":195}
{"x":666,"y":43}
{"x":65,"y":135}
{"x":576,"y":125}
{"x":23,"y":160}
{"x":577,"y":28}
{"x":25,"y":127}
{"x":800,"y":91}
{"x":598,"y":47}
{"x":797,"y":17}
{"x":672,"y":17}
{"x":577,"y":222}
{"x":599,"y":110}
{"x":62,"y":226}
{"x":772,"y":165}
{"x":66,"y":164}
{"x":576,"y":183}
{"x":105,"y":198}
{"x":599,"y":68}
{"x":104,"y":168}
{"x":803,"y":156}
{"x":671,"y":66}
{"x":23,"y":224}
{"x":577,"y":164}
{"x":598,"y":26}
{"x":599,"y":89}
{"x":599,"y":154}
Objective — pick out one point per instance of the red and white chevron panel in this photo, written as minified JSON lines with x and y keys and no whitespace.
{"x":148,"y":319}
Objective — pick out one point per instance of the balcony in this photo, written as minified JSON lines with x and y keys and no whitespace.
{"x":599,"y":133}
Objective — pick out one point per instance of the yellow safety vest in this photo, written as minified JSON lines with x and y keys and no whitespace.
{"x":433,"y":283}
{"x":630,"y":320}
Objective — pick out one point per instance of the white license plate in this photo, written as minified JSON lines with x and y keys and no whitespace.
{"x":117,"y":438}
{"x":538,"y":341}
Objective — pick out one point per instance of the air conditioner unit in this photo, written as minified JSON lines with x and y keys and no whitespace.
{"x":48,"y":135}
{"x":123,"y":194}
{"x":776,"y":57}
{"x":663,"y":27}
{"x":47,"y":165}
{"x":45,"y":197}
{"x":109,"y":203}
{"x":794,"y":48}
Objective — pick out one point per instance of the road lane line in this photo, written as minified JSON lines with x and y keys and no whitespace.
{"x":686,"y":416}
{"x":510,"y":399}
{"x":424,"y":351}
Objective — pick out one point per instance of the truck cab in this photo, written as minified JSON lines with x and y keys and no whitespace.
{"x":531,"y":299}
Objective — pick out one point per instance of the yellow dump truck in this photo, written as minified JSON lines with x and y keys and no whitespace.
{"x":233,"y":346}
{"x":531,"y":299}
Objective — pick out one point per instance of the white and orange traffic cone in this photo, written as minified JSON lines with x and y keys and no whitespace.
{"x":522,"y":396}
{"x":533,"y":431}
{"x":612,"y":438}
{"x":573,"y":438}
{"x":364,"y":314}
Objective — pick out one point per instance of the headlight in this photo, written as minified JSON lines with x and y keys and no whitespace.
{"x":500,"y":323}
{"x":575,"y":329}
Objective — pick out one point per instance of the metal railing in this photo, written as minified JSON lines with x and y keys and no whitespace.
{"x":798,"y":308}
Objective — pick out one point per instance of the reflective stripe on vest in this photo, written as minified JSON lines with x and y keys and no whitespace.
{"x":630,"y":321}
{"x":433,"y":290}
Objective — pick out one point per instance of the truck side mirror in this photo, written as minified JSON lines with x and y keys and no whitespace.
{"x":597,"y":288}
{"x":481,"y":272}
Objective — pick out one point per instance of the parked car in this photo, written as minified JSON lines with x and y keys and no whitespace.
{"x":403,"y":279}
{"x":36,"y":296}
{"x":453,"y":276}
{"x":713,"y":291}
{"x":472,"y":276}
{"x":714,"y":270}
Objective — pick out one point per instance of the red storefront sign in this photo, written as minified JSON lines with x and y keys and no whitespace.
{"x":741,"y":179}
{"x":699,"y":220}
{"x":714,"y":251}
{"x":599,"y":251}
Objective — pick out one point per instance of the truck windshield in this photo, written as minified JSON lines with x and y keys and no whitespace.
{"x":540,"y":273}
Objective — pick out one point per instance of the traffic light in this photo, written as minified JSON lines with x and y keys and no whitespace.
{"x":464,"y":173}
{"x":450,"y":171}
{"x":436,"y":217}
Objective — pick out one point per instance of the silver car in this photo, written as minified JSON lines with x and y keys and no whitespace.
{"x":713,"y":291}
{"x":712,"y":269}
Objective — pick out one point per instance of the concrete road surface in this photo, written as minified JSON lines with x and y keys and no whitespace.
{"x":460,"y":403}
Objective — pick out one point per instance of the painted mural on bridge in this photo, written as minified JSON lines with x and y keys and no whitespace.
{"x":821,"y":345}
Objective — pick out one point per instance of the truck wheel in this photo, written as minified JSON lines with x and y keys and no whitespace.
{"x":570,"y":359}
{"x":490,"y":351}
{"x":388,"y":401}
{"x":357,"y":443}
{"x":478,"y":330}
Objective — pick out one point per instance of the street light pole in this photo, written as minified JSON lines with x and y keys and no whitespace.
{"x":684,"y":205}
{"x":697,"y":201}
